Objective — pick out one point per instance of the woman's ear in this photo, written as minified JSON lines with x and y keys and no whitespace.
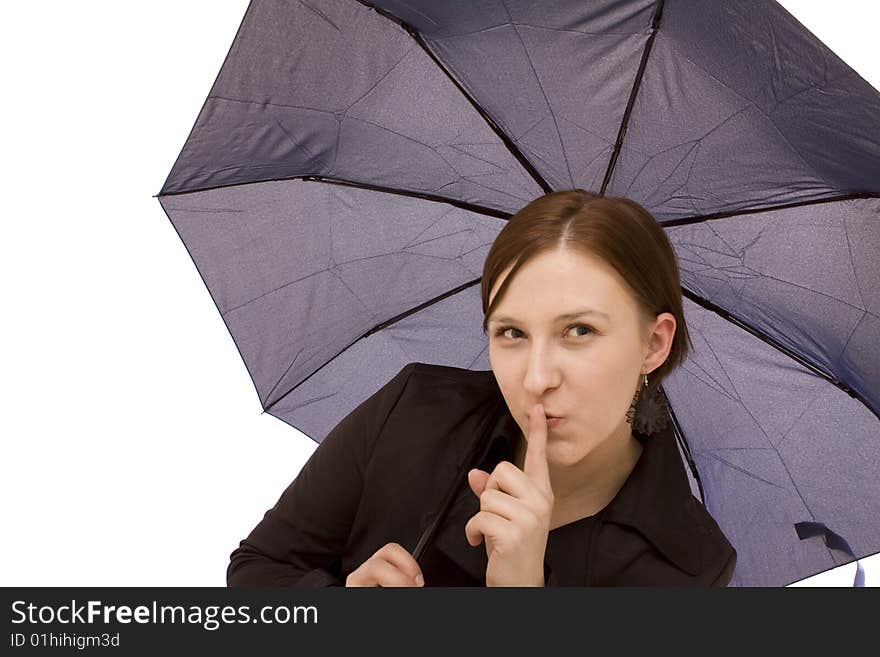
{"x":659,"y":342}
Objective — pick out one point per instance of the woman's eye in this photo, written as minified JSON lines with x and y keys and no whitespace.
{"x":589,"y":329}
{"x":504,"y":329}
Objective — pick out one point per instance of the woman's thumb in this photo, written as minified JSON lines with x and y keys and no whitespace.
{"x":477,"y":480}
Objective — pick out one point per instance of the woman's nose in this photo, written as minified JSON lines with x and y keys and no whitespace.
{"x":541,"y":373}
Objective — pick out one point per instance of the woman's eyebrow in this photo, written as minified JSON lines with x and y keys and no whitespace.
{"x":571,"y":315}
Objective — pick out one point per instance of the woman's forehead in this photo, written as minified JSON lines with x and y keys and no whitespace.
{"x":563,"y":282}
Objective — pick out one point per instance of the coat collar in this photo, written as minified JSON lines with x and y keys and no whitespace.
{"x":655,"y":499}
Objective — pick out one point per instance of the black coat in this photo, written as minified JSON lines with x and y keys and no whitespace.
{"x":384,"y":471}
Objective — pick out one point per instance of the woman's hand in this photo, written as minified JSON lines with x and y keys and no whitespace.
{"x":390,"y":565}
{"x":515,"y":510}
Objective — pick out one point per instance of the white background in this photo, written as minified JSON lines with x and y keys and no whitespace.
{"x":134,"y":451}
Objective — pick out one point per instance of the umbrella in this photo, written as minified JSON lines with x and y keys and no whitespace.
{"x":354,"y":161}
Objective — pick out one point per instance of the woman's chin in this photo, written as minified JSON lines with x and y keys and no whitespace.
{"x":561,"y":454}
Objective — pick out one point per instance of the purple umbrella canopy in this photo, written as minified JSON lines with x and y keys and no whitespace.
{"x":354,"y":161}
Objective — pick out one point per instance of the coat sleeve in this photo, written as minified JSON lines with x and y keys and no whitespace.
{"x":299,"y":541}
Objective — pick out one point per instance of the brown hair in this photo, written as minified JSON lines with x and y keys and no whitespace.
{"x":616,"y":230}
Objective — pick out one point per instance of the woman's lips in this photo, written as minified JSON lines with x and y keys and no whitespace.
{"x":554,"y":421}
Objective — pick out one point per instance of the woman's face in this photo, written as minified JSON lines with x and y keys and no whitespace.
{"x":584,"y":368}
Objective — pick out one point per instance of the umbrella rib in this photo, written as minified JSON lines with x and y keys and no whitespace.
{"x":378,"y":327}
{"x":513,"y":148}
{"x":679,"y":436}
{"x":686,"y":221}
{"x":724,"y":314}
{"x":464,"y":205}
{"x":655,"y":24}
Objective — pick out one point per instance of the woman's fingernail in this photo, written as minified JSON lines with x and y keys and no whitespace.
{"x":420,"y":581}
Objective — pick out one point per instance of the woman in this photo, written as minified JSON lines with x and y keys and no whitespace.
{"x":580,"y":481}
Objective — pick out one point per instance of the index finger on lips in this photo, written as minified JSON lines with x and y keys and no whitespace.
{"x":535,"y":462}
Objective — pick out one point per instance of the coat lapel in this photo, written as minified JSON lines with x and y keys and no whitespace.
{"x":450,"y":537}
{"x":657,"y":501}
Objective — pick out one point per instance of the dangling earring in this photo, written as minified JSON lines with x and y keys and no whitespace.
{"x":630,"y":414}
{"x":648,"y":413}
